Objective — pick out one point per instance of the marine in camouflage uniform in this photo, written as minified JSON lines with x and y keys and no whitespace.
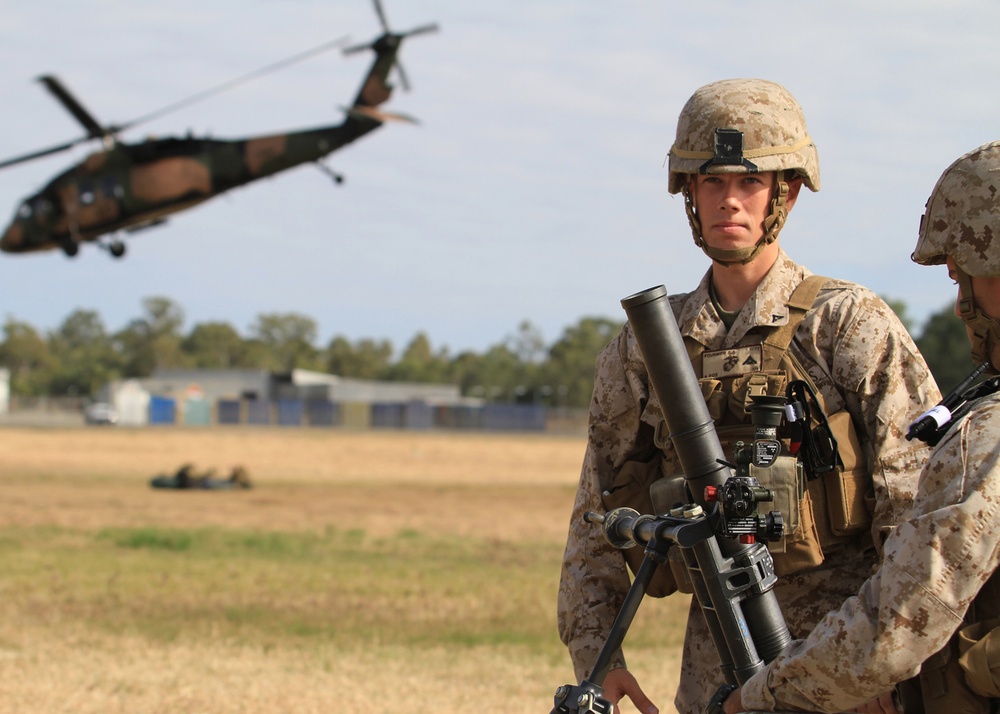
{"x":850,"y":343}
{"x":934,"y":603}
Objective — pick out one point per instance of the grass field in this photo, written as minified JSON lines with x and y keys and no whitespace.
{"x":376,"y":571}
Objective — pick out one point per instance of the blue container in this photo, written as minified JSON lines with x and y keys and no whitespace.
{"x":162,"y":410}
{"x":458,"y":417}
{"x":320,"y":412}
{"x":228,"y":411}
{"x":418,"y":415}
{"x":290,"y":412}
{"x":387,"y":416}
{"x":259,"y":412}
{"x":514,"y":417}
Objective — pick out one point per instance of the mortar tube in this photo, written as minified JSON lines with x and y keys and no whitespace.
{"x":695,"y":440}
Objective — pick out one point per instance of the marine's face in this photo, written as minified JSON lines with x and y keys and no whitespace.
{"x":732,"y":207}
{"x":986,"y":291}
{"x":982,"y":321}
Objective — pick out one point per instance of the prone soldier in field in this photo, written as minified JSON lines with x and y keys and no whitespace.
{"x":755,"y":323}
{"x":932,"y":610}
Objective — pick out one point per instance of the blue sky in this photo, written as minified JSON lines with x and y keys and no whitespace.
{"x":534,"y":188}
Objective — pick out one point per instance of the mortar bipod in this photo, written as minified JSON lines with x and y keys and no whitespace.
{"x":721,"y":584}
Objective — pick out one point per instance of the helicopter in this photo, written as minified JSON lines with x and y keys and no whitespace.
{"x":130,"y":187}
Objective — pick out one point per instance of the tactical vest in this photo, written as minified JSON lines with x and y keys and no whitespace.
{"x":964,"y":676}
{"x":821,"y":515}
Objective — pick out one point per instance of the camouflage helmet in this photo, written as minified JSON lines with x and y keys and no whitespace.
{"x":962,"y":217}
{"x":742,"y":126}
{"x":960,"y":221}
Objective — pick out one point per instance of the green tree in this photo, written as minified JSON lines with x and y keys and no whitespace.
{"x":420,"y":363}
{"x":945,"y":345}
{"x":492,"y":376}
{"x":85,"y":356}
{"x":27,"y":355}
{"x":529,"y":348}
{"x":288,"y":340}
{"x":527,"y":344}
{"x":153,"y":341}
{"x":215,"y":345}
{"x":570,"y":367}
{"x":368,"y":359}
{"x":464,"y":370}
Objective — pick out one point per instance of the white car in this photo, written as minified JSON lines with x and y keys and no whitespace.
{"x":100,"y":413}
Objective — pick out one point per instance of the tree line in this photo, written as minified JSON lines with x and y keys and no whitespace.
{"x":81,"y":355}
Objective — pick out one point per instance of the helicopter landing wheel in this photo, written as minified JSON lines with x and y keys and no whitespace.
{"x":71,"y":248}
{"x":116,"y":248}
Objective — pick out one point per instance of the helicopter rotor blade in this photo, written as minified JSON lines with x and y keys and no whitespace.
{"x":381,"y":16}
{"x":423,"y":29}
{"x":218,"y":89}
{"x":354,"y":49}
{"x":59,"y":91}
{"x":96,"y":131}
{"x":403,"y":79}
{"x":43,"y":152}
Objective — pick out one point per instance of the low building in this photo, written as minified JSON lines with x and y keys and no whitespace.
{"x":195,"y":397}
{"x":250,"y":385}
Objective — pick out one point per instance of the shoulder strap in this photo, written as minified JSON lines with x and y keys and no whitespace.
{"x":776,"y":343}
{"x":799,"y":303}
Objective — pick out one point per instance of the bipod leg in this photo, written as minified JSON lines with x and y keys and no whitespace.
{"x":587,"y":697}
{"x":625,"y":616}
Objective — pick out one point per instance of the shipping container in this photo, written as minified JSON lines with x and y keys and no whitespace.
{"x":258,"y":412}
{"x":290,"y":412}
{"x":162,"y":410}
{"x":228,"y":411}
{"x":322,"y":412}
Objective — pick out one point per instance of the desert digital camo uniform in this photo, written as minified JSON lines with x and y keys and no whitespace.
{"x":860,"y":358}
{"x":934,"y":604}
{"x":933,"y":567}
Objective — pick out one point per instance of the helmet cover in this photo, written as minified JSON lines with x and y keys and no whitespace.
{"x":962,"y":216}
{"x":742,"y":126}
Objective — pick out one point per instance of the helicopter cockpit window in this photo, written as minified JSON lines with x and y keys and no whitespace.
{"x":40,"y":206}
{"x":24,"y":211}
{"x":86,"y":195}
{"x":112,"y":188}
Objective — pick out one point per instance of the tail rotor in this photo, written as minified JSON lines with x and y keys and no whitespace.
{"x":391,"y":40}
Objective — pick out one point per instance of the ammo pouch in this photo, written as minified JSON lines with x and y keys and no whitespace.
{"x":979,"y":650}
{"x":944,"y":683}
{"x":847,"y":486}
{"x":819,"y":515}
{"x":631,"y":487}
{"x":800,"y":546}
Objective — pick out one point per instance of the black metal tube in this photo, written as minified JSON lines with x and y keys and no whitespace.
{"x":672,"y":379}
{"x":692,"y":432}
{"x":624,"y":620}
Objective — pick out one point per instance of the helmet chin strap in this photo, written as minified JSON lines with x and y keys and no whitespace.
{"x":740,"y":256}
{"x":985,"y":330}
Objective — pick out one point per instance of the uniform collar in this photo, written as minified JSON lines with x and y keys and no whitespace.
{"x":767,"y":307}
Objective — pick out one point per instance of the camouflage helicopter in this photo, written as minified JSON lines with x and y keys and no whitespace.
{"x":131,"y":187}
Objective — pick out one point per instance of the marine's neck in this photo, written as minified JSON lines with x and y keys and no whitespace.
{"x":735,"y":284}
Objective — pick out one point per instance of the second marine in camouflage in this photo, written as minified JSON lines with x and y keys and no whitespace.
{"x":934,"y":604}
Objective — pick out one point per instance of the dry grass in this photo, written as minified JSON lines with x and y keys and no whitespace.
{"x":484,"y":515}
